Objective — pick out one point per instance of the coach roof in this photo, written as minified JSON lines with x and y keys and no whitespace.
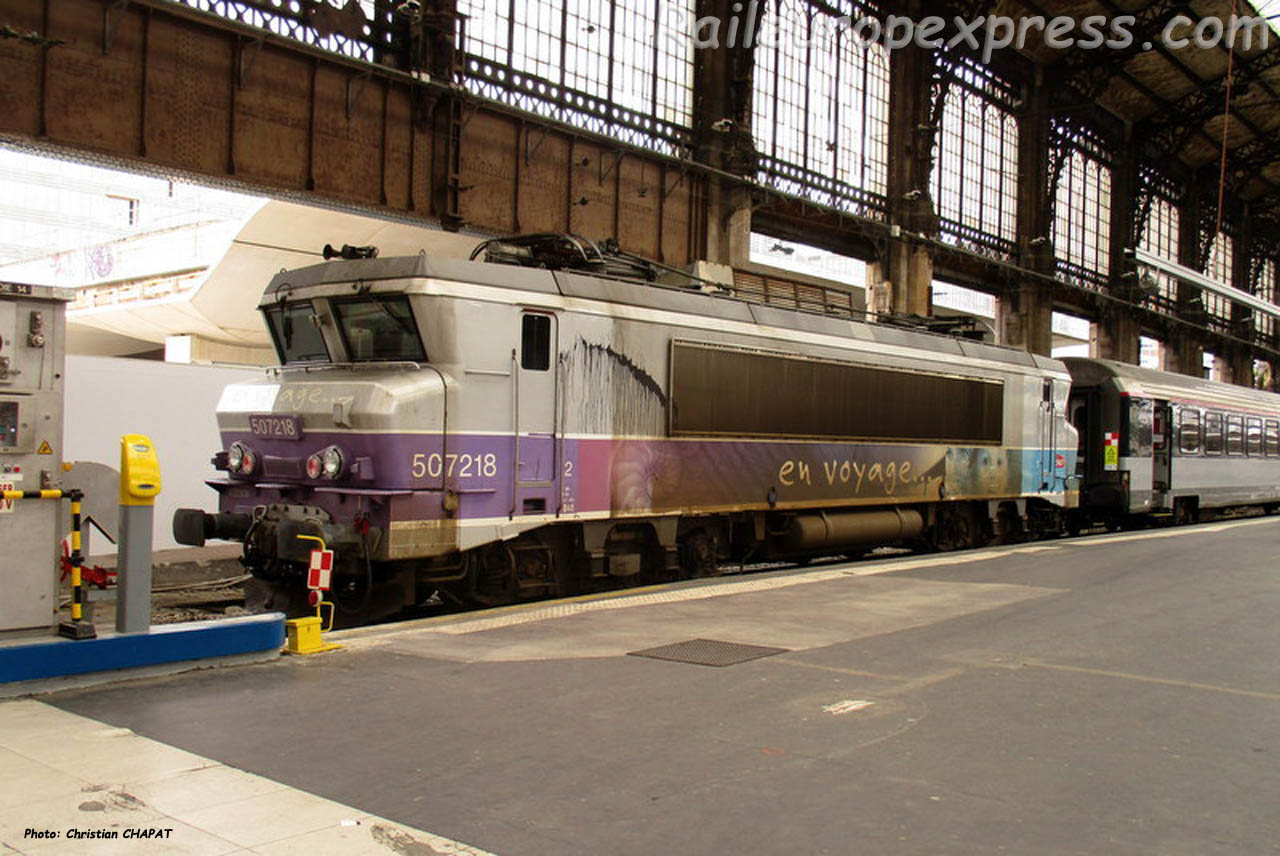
{"x":1152,"y":383}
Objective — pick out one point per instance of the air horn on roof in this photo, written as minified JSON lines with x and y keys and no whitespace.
{"x":350,"y":253}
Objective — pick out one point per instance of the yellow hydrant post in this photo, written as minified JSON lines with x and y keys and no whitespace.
{"x":139,"y":484}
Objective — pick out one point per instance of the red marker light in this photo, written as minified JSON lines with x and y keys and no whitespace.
{"x":313,"y":597}
{"x":315,"y":467}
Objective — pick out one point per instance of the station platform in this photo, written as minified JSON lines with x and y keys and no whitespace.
{"x":1107,"y":694}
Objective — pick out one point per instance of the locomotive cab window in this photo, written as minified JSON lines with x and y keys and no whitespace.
{"x":295,"y":330}
{"x":1189,"y":431}
{"x":535,"y":343}
{"x":379,"y":329}
{"x":1213,"y":433}
{"x":1253,"y":437}
{"x":1272,"y":438}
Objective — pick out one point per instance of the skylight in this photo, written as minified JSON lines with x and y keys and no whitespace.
{"x":1269,"y":9}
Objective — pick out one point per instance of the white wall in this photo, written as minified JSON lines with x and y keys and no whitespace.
{"x":172,"y":404}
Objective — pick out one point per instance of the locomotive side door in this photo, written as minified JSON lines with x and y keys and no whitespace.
{"x":1048,"y":436}
{"x":1161,"y":455}
{"x":536,"y":405}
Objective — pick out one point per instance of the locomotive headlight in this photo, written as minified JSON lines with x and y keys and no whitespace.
{"x":241,"y":460}
{"x":315,"y":467}
{"x":333,"y":462}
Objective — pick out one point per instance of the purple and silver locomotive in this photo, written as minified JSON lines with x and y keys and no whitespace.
{"x":491,"y":432}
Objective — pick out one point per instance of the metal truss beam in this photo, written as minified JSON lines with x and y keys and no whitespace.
{"x":163,"y":87}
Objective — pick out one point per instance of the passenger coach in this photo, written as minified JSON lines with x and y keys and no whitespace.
{"x":1153,"y":442}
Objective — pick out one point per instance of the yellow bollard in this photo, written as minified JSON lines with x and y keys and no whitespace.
{"x":77,"y":627}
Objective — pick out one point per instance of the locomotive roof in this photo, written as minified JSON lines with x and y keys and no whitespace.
{"x":330,"y":278}
{"x":1153,"y":383}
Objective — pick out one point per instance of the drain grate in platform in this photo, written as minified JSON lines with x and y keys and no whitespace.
{"x":708,"y":652}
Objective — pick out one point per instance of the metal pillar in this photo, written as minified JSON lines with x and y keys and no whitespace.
{"x":906,"y":265}
{"x":133,"y":580}
{"x":1116,"y":335}
{"x":722,"y":137}
{"x":1186,"y":350}
{"x":1024,"y":317}
{"x":1025,"y":313}
{"x":1241,"y":357}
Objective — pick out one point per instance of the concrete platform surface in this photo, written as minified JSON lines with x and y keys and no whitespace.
{"x":1114,"y":694}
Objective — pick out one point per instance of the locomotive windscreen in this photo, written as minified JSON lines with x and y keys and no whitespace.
{"x":721,"y":391}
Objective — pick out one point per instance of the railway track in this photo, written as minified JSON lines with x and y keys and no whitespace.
{"x":225,"y":596}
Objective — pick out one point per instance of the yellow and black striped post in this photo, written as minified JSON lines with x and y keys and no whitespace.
{"x":77,"y":627}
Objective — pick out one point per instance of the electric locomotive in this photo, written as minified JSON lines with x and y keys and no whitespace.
{"x":548,"y":419}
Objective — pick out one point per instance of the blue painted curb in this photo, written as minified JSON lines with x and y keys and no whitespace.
{"x":166,"y":643}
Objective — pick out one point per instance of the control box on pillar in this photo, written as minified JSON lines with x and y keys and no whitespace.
{"x":32,"y":359}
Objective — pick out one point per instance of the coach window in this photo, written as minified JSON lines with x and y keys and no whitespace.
{"x":1213,"y":433}
{"x":1253,"y":437}
{"x":1272,"y":438}
{"x":1140,"y":420}
{"x":1235,"y":435}
{"x":535,"y":343}
{"x":1189,"y":430}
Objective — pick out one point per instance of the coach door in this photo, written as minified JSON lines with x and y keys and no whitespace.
{"x":536,"y":406}
{"x":1161,"y":455}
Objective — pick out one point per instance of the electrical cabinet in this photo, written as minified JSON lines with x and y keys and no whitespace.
{"x":32,"y":361}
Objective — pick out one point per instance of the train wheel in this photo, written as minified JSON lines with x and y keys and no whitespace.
{"x":271,"y":596}
{"x":354,"y":608}
{"x":1184,"y":513}
{"x":698,"y":556}
{"x":954,"y":530}
{"x":524,"y":569}
{"x":1009,"y":526}
{"x":492,"y":571}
